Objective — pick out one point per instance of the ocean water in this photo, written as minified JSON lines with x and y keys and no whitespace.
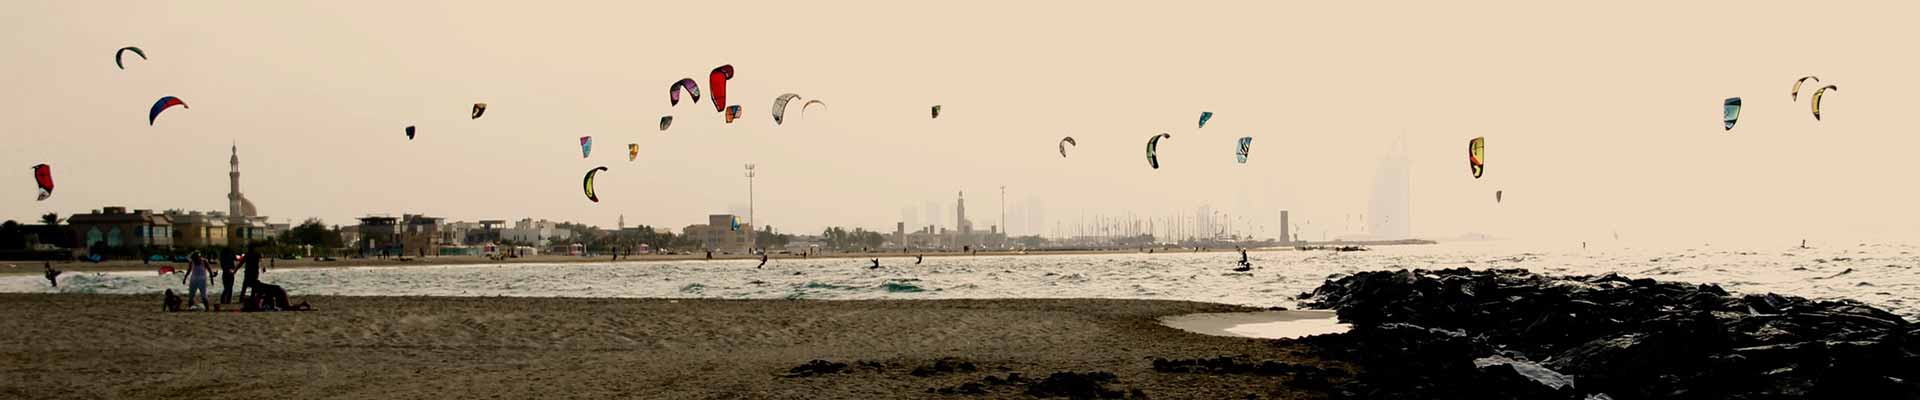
{"x":1884,"y":275}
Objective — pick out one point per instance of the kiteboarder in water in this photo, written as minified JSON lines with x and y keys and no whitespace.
{"x":876,"y":264}
{"x":763,"y":259}
{"x":53,"y":275}
{"x":918,"y":258}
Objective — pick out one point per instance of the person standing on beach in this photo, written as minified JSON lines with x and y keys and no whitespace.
{"x":227,"y":270}
{"x":197,"y":280}
{"x":250,"y":275}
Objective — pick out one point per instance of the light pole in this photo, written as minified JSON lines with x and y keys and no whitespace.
{"x":751,"y":223}
{"x":1004,"y":232}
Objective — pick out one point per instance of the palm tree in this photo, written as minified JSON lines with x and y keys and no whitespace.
{"x":50,"y":219}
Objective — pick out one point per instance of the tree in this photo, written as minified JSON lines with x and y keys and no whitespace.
{"x":50,"y":219}
{"x":314,"y":233}
{"x":766,"y":239}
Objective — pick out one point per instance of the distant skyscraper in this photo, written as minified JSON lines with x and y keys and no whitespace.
{"x":960,"y":215}
{"x":1389,"y":214}
{"x":1286,"y":230}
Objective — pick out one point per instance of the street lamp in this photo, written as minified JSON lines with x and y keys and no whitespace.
{"x":1003,"y":217}
{"x":751,"y":223}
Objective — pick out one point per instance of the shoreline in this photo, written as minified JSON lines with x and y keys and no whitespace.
{"x":69,"y":345}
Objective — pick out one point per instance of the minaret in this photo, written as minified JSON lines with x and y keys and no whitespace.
{"x":233,"y":188}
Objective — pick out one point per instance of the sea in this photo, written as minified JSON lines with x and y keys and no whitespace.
{"x":1883,"y":275}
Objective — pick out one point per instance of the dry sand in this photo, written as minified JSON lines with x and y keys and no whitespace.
{"x":103,"y":346}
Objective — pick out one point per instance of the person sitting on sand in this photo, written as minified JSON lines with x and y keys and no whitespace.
{"x":197,"y":280}
{"x":53,"y":275}
{"x":270,"y":297}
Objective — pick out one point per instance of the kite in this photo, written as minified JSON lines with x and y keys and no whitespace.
{"x":633,"y":151}
{"x":673,"y":91}
{"x":171,"y":101}
{"x":1803,"y":79}
{"x":1204,"y":117}
{"x":478,"y":109}
{"x":1477,"y":156}
{"x":733,"y":111}
{"x":1063,"y":145}
{"x":810,"y":103}
{"x":123,"y":52}
{"x":1153,"y":149}
{"x":665,"y":121}
{"x":586,"y":146}
{"x":1731,"y":112}
{"x":587,"y":184}
{"x":43,"y":176}
{"x":936,"y":111}
{"x":409,"y":132}
{"x":1241,"y":153}
{"x":735,"y":224}
{"x":717,"y":80}
{"x":1817,"y":94}
{"x":780,"y":107}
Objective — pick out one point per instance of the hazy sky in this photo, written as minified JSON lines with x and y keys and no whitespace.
{"x":1599,"y":117}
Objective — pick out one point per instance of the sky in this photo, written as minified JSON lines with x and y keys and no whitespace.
{"x":1600,"y":118}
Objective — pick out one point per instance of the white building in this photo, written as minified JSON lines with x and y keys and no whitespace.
{"x":540,"y":233}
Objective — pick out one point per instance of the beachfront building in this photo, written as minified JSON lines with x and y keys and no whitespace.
{"x":420,"y":234}
{"x":378,"y":235}
{"x":115,"y":227}
{"x":539,"y":233}
{"x":722,"y":233}
{"x":470,"y":233}
{"x":198,"y":229}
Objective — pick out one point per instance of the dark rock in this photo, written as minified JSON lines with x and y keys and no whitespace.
{"x":816,"y":367}
{"x":944,"y":366}
{"x":1228,"y":365}
{"x":1091,"y":385}
{"x":968,"y":388}
{"x":1621,"y":338}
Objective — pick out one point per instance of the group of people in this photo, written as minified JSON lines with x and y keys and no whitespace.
{"x":254,"y":295}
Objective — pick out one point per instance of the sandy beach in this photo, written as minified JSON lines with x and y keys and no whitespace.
{"x":108,"y":346}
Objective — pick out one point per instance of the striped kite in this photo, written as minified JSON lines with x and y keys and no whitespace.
{"x":163,"y":104}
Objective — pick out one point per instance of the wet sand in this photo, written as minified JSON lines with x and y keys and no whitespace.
{"x":93,"y":346}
